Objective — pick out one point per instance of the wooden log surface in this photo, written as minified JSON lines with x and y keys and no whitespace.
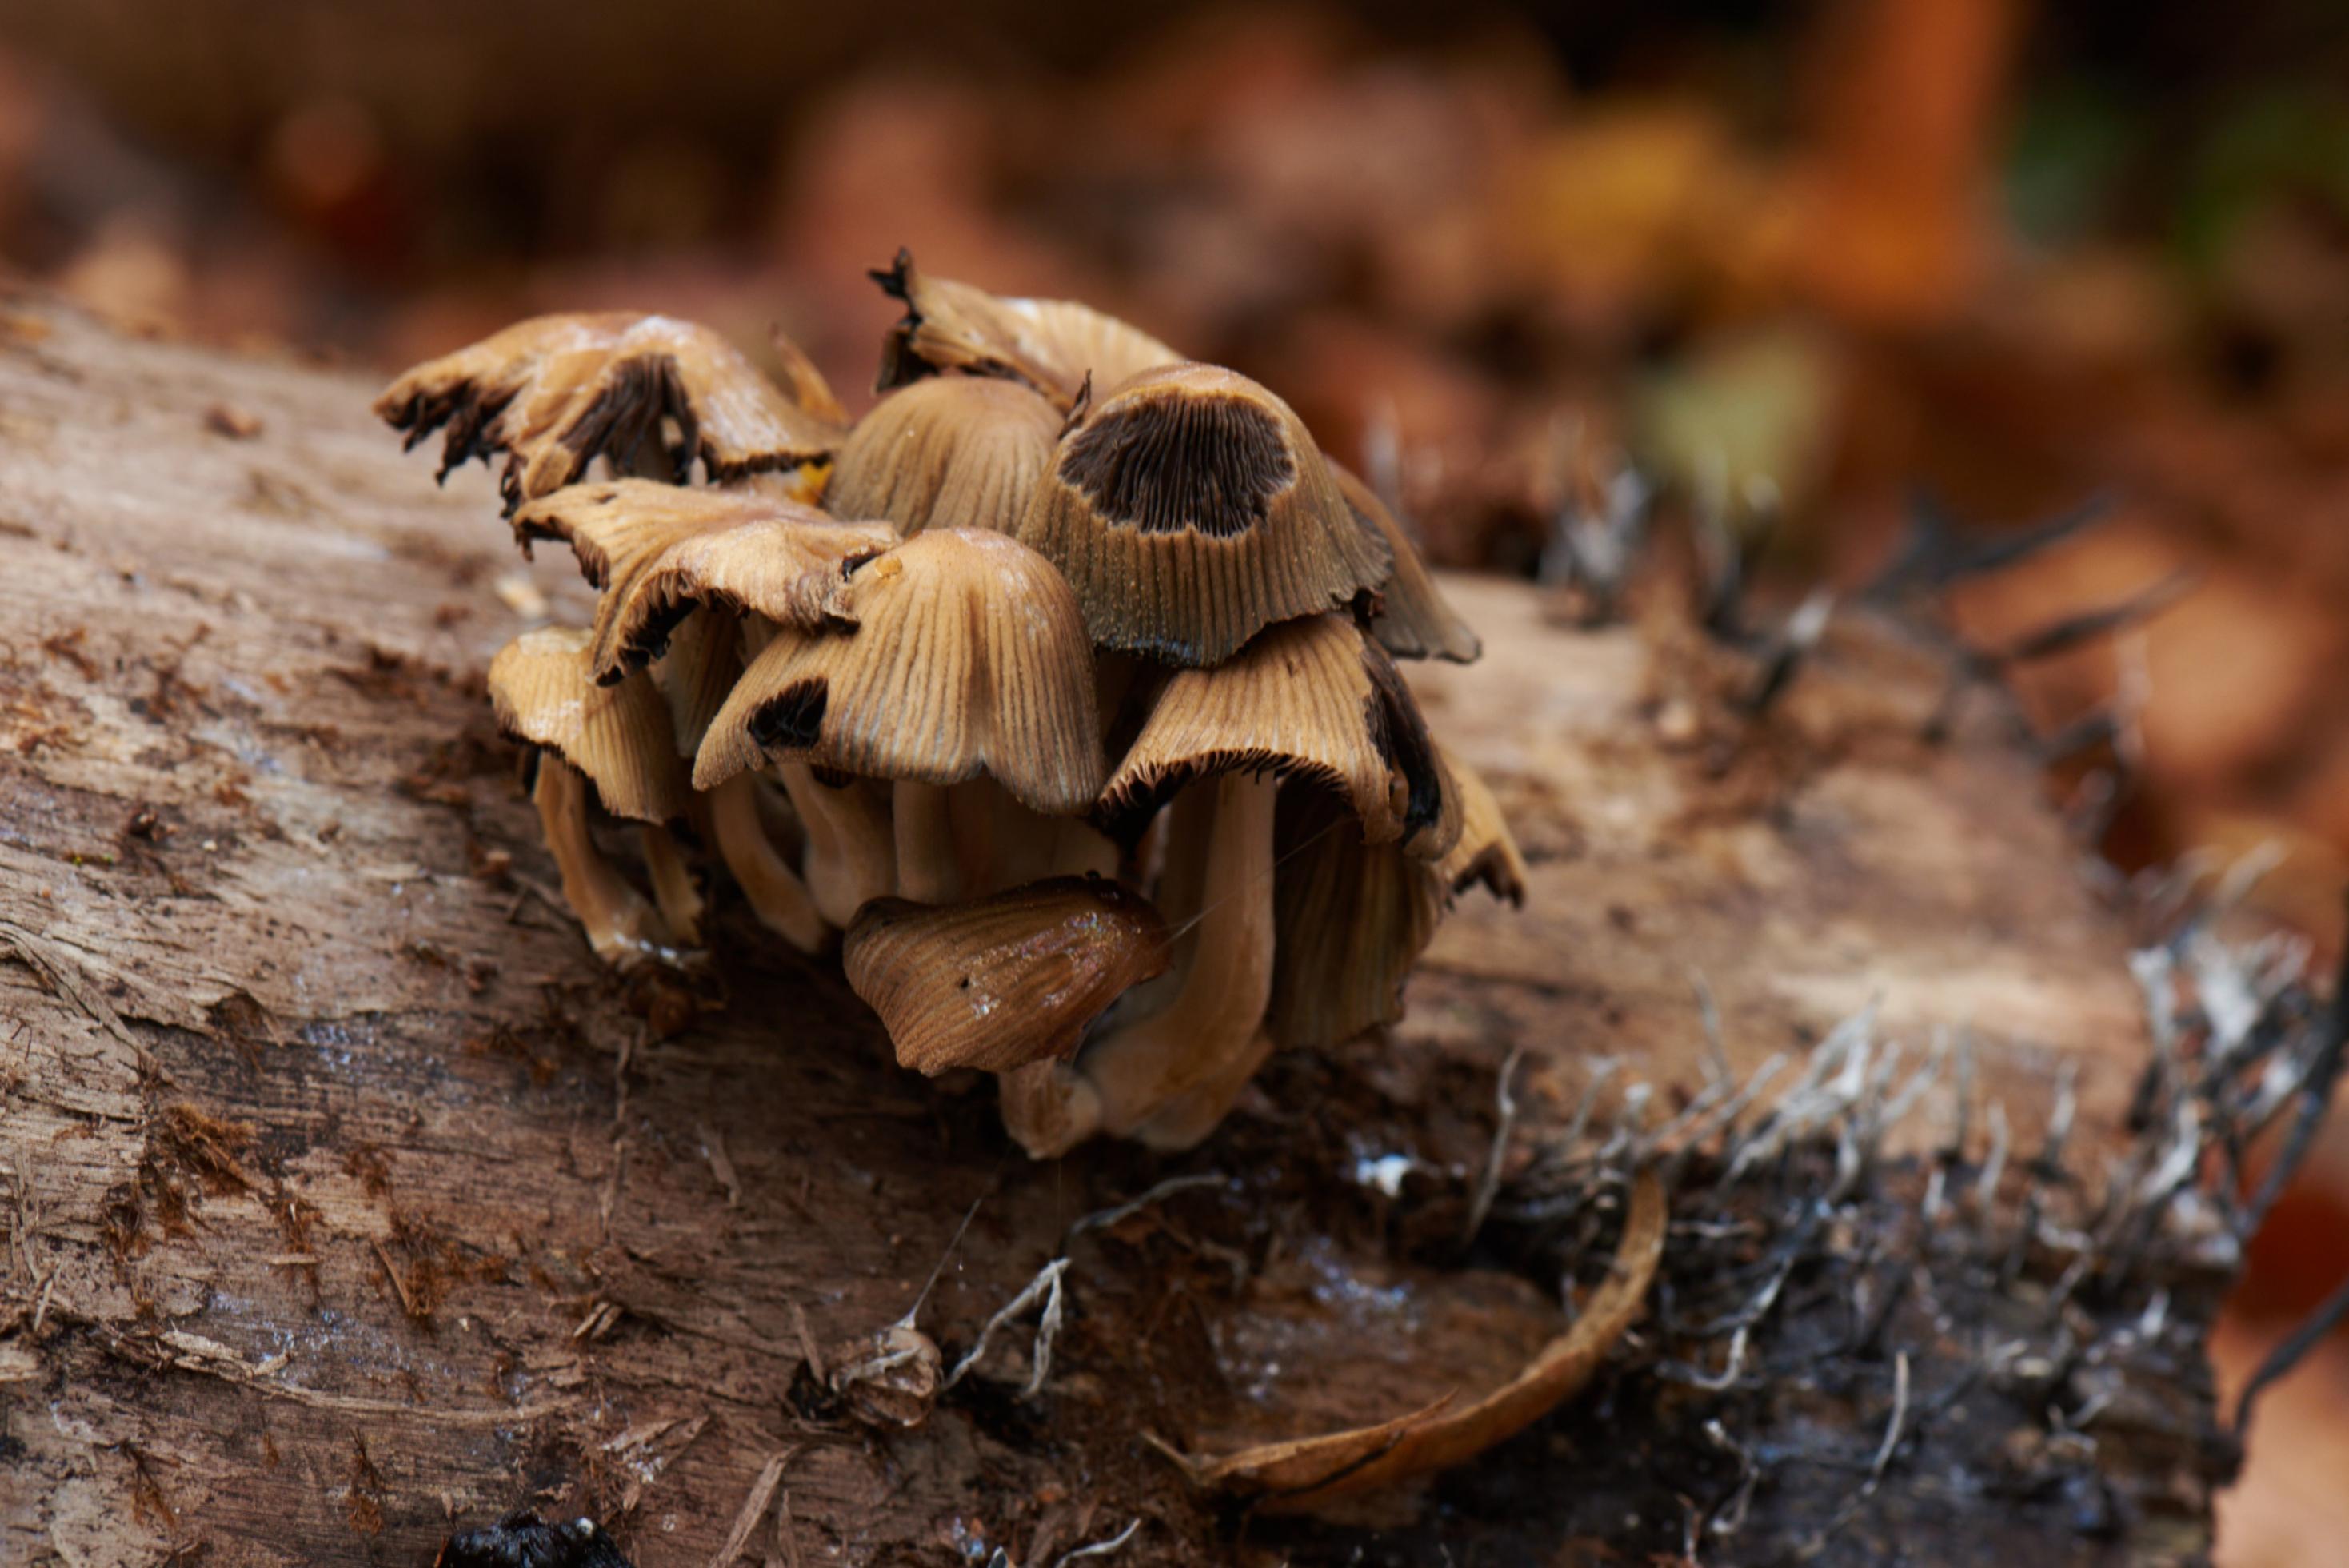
{"x":348,"y":1201}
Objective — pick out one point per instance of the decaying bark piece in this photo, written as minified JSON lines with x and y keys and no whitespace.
{"x":349,"y":1201}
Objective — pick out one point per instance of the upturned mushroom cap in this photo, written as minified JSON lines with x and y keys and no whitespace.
{"x":1484,"y":852}
{"x":1413,"y":621}
{"x":963,"y":652}
{"x":557,"y":391}
{"x":1349,"y":919}
{"x":1313,"y":699}
{"x":1054,"y":346}
{"x":962,"y":451}
{"x":658,"y":550}
{"x":1190,"y":508}
{"x":619,"y":736}
{"x":1003,"y":981}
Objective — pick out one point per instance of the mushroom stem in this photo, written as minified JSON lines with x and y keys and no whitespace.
{"x":674,"y":891}
{"x":621,"y":924}
{"x":850,"y":853}
{"x":926,"y":868}
{"x":775,"y":892}
{"x":1210,"y":1026}
{"x":1184,"y":1120}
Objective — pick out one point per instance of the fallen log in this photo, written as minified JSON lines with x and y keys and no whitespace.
{"x":350,"y":1202}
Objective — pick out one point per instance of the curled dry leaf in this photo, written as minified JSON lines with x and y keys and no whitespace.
{"x":1054,"y":345}
{"x":556,"y":392}
{"x":1313,"y":698}
{"x":964,"y":654}
{"x":960,"y":451}
{"x":889,"y":1378}
{"x":1000,"y":982}
{"x":621,"y":737}
{"x":1302,"y":1474}
{"x":1414,"y":620}
{"x":1190,"y":508}
{"x":657,"y":550}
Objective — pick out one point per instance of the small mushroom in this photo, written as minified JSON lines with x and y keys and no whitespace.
{"x":959,"y":450}
{"x":555,"y":392}
{"x":959,"y":653}
{"x":657,"y":550}
{"x":1312,"y":700}
{"x":1190,"y":508}
{"x":1000,"y":982}
{"x":1413,"y":621}
{"x":1054,"y":346}
{"x":621,"y":737}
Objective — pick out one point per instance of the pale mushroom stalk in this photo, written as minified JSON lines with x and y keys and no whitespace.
{"x":928,"y":870}
{"x":674,"y":892}
{"x":1211,"y":1021}
{"x":1188,"y":1118}
{"x":851,"y":852}
{"x":776,"y":894}
{"x":621,"y":924}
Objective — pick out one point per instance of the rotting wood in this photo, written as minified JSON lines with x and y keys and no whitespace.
{"x":262,"y":858}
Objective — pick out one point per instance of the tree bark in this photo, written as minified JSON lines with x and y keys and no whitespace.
{"x":349,"y":1201}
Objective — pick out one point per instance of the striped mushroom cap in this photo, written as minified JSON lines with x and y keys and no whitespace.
{"x":657,"y":550}
{"x":555,"y":392}
{"x":1311,"y":700}
{"x":957,"y":652}
{"x":999,"y":982}
{"x":961,"y":451}
{"x":619,"y":736}
{"x":1054,"y":346}
{"x":1190,"y":508}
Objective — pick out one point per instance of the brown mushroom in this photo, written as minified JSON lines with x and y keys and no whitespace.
{"x":657,"y":550}
{"x":960,"y":653}
{"x":959,"y":450}
{"x":555,"y":392}
{"x":620,"y":738}
{"x":1311,"y":700}
{"x":1054,"y":346}
{"x":1413,"y":621}
{"x":1189,"y":509}
{"x":1000,"y":982}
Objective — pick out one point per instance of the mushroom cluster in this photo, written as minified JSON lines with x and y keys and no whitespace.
{"x":1059,"y":688}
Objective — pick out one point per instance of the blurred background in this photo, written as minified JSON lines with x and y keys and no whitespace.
{"x":1806,"y":261}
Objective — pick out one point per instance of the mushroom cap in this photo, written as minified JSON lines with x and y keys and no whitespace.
{"x":556,"y":391}
{"x":619,"y":736}
{"x":1484,"y":852}
{"x":1413,"y":621}
{"x":954,"y":653}
{"x":1349,"y":919}
{"x":1054,"y":346}
{"x":999,"y":982}
{"x":658,"y":549}
{"x":1190,"y":508}
{"x":962,"y":451}
{"x":1311,"y":700}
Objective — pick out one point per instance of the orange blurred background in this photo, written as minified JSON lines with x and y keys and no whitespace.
{"x":2010,"y":255}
